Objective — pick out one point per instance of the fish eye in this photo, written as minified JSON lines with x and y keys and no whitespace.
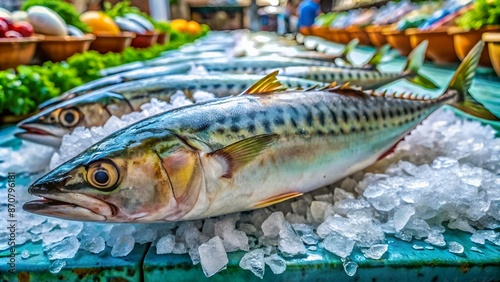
{"x":69,"y":117}
{"x":103,"y":175}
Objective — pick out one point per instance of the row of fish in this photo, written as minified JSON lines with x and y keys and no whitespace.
{"x":265,"y":140}
{"x":123,"y":92}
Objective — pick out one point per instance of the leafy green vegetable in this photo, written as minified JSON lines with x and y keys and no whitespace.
{"x":162,"y":26}
{"x":484,"y":13}
{"x":67,"y":11}
{"x":122,"y":8}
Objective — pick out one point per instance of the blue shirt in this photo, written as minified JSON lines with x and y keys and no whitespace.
{"x":308,"y":10}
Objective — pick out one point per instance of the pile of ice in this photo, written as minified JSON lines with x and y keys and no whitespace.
{"x":443,"y":175}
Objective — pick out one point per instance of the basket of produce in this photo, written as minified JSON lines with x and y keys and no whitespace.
{"x":17,"y":43}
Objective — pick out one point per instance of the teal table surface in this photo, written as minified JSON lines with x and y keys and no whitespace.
{"x":402,"y":261}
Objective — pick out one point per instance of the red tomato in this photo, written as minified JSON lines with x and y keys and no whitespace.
{"x":24,"y":28}
{"x":3,"y":28}
{"x":13,"y":34}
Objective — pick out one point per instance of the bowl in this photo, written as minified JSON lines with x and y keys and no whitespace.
{"x":356,"y":32}
{"x":17,"y":51}
{"x":144,"y":40}
{"x":441,"y":49}
{"x":398,"y":40}
{"x":305,"y":31}
{"x":342,"y":35}
{"x":59,"y":48}
{"x":320,"y":31}
{"x":163,"y":38}
{"x":375,"y":35}
{"x":492,"y":39}
{"x":105,"y":43}
{"x":464,"y":40}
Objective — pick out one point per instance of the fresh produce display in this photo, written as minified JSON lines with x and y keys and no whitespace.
{"x":10,"y":29}
{"x":52,"y":79}
{"x":66,"y":11}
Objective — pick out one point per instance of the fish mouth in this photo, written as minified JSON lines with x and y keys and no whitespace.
{"x":74,"y":206}
{"x":39,"y":133}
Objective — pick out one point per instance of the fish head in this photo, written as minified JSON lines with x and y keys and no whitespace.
{"x":51,"y":124}
{"x":139,"y":180}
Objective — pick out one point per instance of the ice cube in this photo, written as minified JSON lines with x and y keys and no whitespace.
{"x":65,"y":249}
{"x":213,"y":257}
{"x":94,"y":244}
{"x":123,"y":246}
{"x":338,"y":244}
{"x":180,"y":248}
{"x":165,"y":245}
{"x":276,"y":263}
{"x":202,"y":96}
{"x":402,"y":215}
{"x":194,"y":255}
{"x":306,"y":233}
{"x":273,"y":224}
{"x":117,"y":231}
{"x":436,"y":239}
{"x":289,"y":243}
{"x":145,"y":235}
{"x":417,"y":247}
{"x":56,"y":235}
{"x":25,"y":254}
{"x":376,"y":251}
{"x":475,"y":249}
{"x":455,"y":247}
{"x":350,"y":267}
{"x":461,"y":224}
{"x":254,"y":261}
{"x":56,"y":266}
{"x":318,"y":210}
{"x":248,"y":229}
{"x":235,"y":240}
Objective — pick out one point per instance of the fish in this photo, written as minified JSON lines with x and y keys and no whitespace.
{"x":239,"y":153}
{"x":93,"y":109}
{"x":367,"y":77}
{"x":194,"y":57}
{"x":161,"y":62}
{"x":234,"y":65}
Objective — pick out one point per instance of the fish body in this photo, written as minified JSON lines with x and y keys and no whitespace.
{"x":236,"y":65}
{"x":237,"y":153}
{"x":95,"y":108}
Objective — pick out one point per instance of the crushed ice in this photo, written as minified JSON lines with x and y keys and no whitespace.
{"x":444,"y":175}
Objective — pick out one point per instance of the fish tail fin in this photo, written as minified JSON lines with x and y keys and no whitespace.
{"x":377,"y":57}
{"x":348,"y":48}
{"x":414,"y":63}
{"x":457,"y":94}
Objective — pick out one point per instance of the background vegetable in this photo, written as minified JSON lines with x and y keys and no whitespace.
{"x":23,"y":89}
{"x":484,"y":13}
{"x":67,"y":11}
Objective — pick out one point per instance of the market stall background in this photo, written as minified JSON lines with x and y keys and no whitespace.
{"x":464,"y":258}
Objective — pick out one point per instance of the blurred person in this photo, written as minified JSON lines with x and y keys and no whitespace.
{"x":307,"y":11}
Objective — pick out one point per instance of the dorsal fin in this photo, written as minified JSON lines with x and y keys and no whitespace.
{"x":377,"y":58}
{"x":267,"y":84}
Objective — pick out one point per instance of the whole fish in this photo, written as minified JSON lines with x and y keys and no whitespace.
{"x":95,"y":108}
{"x":234,"y":65}
{"x":161,"y":62}
{"x":237,"y":153}
{"x":368,"y":77}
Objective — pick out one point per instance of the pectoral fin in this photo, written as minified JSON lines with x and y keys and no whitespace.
{"x":237,"y":155}
{"x":277,"y":199}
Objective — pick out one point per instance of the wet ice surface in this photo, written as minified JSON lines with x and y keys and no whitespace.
{"x":444,"y":175}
